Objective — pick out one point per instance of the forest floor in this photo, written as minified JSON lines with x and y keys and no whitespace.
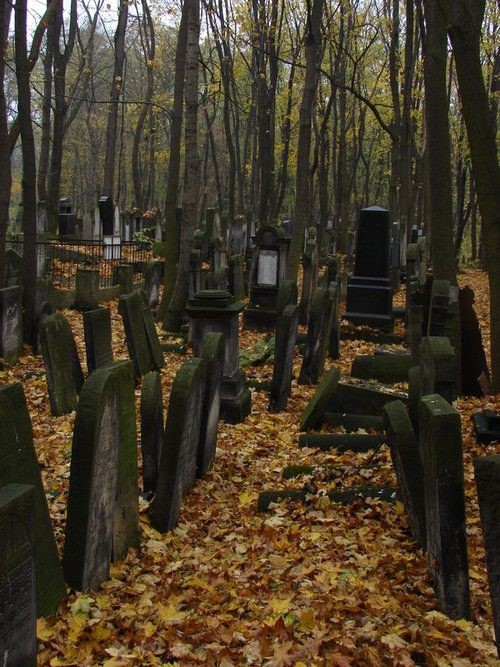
{"x":322,"y":584}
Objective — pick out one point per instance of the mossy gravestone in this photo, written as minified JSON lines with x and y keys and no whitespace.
{"x":17,"y":577}
{"x":286,"y":336}
{"x":98,"y":341}
{"x":152,"y":429}
{"x":87,"y":289}
{"x":318,"y":336}
{"x":10,"y":324}
{"x":383,"y":367}
{"x":102,"y":518}
{"x":441,"y":448}
{"x":62,"y":364}
{"x":19,"y":465}
{"x":408,"y":466}
{"x":312,"y":416}
{"x":140,"y":331}
{"x":437,"y":367}
{"x":179,"y":451}
{"x":212,"y":353}
{"x":487,"y":473}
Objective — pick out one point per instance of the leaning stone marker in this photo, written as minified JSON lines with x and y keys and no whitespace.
{"x":286,"y":335}
{"x":142,"y":338}
{"x":179,"y":452}
{"x":441,"y":447}
{"x":318,"y":336}
{"x":362,"y":399}
{"x":123,"y":275}
{"x":386,"y":368}
{"x":487,"y":472}
{"x":19,"y":465}
{"x":212,"y":353}
{"x":88,"y":545}
{"x":313,"y":414}
{"x":408,"y":466}
{"x":437,"y":367}
{"x":17,"y":577}
{"x":152,"y":429}
{"x":10,"y":324}
{"x":87,"y":289}
{"x":97,"y":332}
{"x":62,"y":364}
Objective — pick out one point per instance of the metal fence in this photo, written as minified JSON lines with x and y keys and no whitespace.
{"x":59,"y":260}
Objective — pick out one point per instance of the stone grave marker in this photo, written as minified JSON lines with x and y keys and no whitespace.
{"x":312,"y":416}
{"x":19,"y":465}
{"x":438,"y":307}
{"x":334,"y":341}
{"x":442,"y":459}
{"x":87,"y":289}
{"x":140,"y":331}
{"x":474,"y":365}
{"x":88,"y":545}
{"x":318,"y":336}
{"x":98,"y":342}
{"x":123,"y":275}
{"x":286,"y":335}
{"x":487,"y":473}
{"x":354,"y":422}
{"x":43,"y":310}
{"x":180,"y":448}
{"x":437,"y":367}
{"x":414,"y":394}
{"x":62,"y":364}
{"x":154,"y":346}
{"x":152,"y":429}
{"x":153,"y":275}
{"x":362,"y":398}
{"x":212,"y":353}
{"x":406,"y":460}
{"x":310,"y":274}
{"x":17,"y":576}
{"x":10,"y":324}
{"x":415,"y":321}
{"x":386,"y":368}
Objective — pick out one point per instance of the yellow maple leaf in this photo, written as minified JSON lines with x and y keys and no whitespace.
{"x":307,"y":621}
{"x":280,"y":606}
{"x":169,"y":614}
{"x":247,"y":498}
{"x":43,"y":631}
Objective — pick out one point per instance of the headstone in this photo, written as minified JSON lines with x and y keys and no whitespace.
{"x":334,"y":340}
{"x":66,"y":218}
{"x":87,"y":289}
{"x":386,"y":368}
{"x":195,"y":263}
{"x":437,"y":367}
{"x":408,"y":467}
{"x":179,"y":452}
{"x":19,"y":465}
{"x":486,"y":426}
{"x":415,"y":321}
{"x":153,"y":275}
{"x":442,"y":458}
{"x":439,"y":304}
{"x":312,"y":416}
{"x":487,"y":473}
{"x":43,"y":310}
{"x":98,"y":341}
{"x":140,"y":331}
{"x":362,"y":398}
{"x":10,"y":324}
{"x":474,"y":363}
{"x":310,"y":274}
{"x":286,"y":335}
{"x":212,"y":352}
{"x":354,"y":422}
{"x":62,"y":364}
{"x":123,"y":275}
{"x":318,"y":336}
{"x":152,"y":429}
{"x":106,"y":215}
{"x":17,"y":576}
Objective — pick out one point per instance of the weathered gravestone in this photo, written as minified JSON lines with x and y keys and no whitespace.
{"x":10,"y":324}
{"x":152,"y":429}
{"x":102,"y":518}
{"x":474,"y":365}
{"x":180,"y":448}
{"x":437,"y":368}
{"x":442,"y":459}
{"x":383,"y":367}
{"x":17,"y":577}
{"x":286,"y":335}
{"x":414,"y":395}
{"x":438,"y":307}
{"x":62,"y":364}
{"x":310,"y":274}
{"x":42,"y":311}
{"x":97,"y":332}
{"x":312,"y":416}
{"x":86,"y":289}
{"x":212,"y":352}
{"x":408,"y":466}
{"x":123,"y":275}
{"x":153,"y":275}
{"x":362,"y":398}
{"x":19,"y":465}
{"x":487,"y":473}
{"x":142,"y":338}
{"x":334,"y":341}
{"x":318,"y":336}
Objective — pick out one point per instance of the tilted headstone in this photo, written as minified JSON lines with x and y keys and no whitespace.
{"x":152,"y":429}
{"x":442,"y":459}
{"x":140,"y":331}
{"x":123,"y":275}
{"x":180,"y":448}
{"x":362,"y":398}
{"x":310,"y":274}
{"x":11,"y":335}
{"x":42,"y":311}
{"x":437,"y":367}
{"x":386,"y":368}
{"x":438,"y":309}
{"x":212,"y":352}
{"x":286,"y":335}
{"x":19,"y":465}
{"x":98,"y":338}
{"x":154,"y":346}
{"x":17,"y":576}
{"x":318,"y":336}
{"x":407,"y":464}
{"x":87,"y":289}
{"x":474,"y":365}
{"x":62,"y":364}
{"x":487,"y":473}
{"x":312,"y":417}
{"x":153,"y":275}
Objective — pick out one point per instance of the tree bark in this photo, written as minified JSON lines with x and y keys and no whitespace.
{"x":5,"y":171}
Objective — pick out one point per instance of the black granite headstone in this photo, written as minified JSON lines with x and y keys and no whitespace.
{"x":107,"y":215}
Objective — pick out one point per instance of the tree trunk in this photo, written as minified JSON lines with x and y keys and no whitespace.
{"x":5,"y":172}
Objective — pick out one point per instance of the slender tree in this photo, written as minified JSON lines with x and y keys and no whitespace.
{"x":5,"y":171}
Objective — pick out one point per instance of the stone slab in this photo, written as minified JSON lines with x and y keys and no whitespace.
{"x":286,"y":333}
{"x":212,"y":353}
{"x":312,"y":416}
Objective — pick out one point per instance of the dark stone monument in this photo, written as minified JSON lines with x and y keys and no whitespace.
{"x":123,"y":275}
{"x":408,"y":467}
{"x":386,"y":368}
{"x":19,"y":465}
{"x":487,"y":473}
{"x":312,"y":416}
{"x":369,"y":293}
{"x":310,"y":274}
{"x":286,"y":335}
{"x":152,"y":429}
{"x":87,"y":289}
{"x":142,"y":338}
{"x":438,"y":309}
{"x":62,"y":364}
{"x":487,"y":426}
{"x":10,"y":324}
{"x":267,"y":272}
{"x":362,"y":399}
{"x":218,"y":311}
{"x":212,"y":352}
{"x":153,"y":276}
{"x":106,"y":215}
{"x":318,"y":335}
{"x":437,"y":368}
{"x":441,"y":449}
{"x":66,"y":218}
{"x":98,"y":341}
{"x":474,"y":365}
{"x":17,"y":576}
{"x":179,"y":452}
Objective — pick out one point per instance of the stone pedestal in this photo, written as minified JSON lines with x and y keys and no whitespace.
{"x":217,"y":311}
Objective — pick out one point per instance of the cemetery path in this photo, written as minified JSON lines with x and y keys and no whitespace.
{"x":322,"y":584}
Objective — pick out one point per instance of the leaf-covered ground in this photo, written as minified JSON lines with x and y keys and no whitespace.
{"x":324,"y":584}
